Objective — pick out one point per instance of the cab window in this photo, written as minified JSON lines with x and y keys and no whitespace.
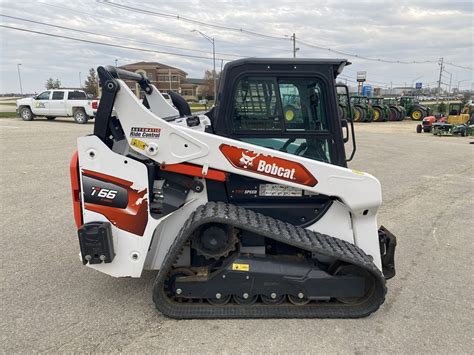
{"x":303,"y":104}
{"x":43,"y":96}
{"x":285,"y":114}
{"x":280,"y":104}
{"x":58,"y":95}
{"x":256,"y":106}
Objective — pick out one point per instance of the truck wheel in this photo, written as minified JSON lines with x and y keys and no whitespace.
{"x":419,"y":128}
{"x":80,"y":116}
{"x":26,"y":114}
{"x":50,"y":118}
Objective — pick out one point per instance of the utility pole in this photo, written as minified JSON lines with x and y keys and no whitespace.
{"x":450,"y":81}
{"x":80,"y":80}
{"x":294,"y":44}
{"x":19,"y":78}
{"x":439,"y":81}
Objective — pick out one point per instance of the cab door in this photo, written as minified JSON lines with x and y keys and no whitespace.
{"x":57,"y":104}
{"x":41,"y":103}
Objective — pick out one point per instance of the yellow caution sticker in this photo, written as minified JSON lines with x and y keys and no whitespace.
{"x":358,"y":172}
{"x":240,"y":267}
{"x":138,"y":143}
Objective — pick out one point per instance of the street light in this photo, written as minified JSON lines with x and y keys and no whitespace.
{"x":19,"y":78}
{"x":211,"y":39}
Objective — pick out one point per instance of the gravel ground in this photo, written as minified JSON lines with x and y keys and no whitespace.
{"x":51,"y":303}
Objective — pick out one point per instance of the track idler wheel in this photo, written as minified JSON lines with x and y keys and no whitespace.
{"x":297,"y":300}
{"x":352,"y":270}
{"x":273,"y":299}
{"x":245,"y":299}
{"x":222,"y":300}
{"x":170,"y":290}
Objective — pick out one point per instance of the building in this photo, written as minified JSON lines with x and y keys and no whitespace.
{"x":166,"y":78}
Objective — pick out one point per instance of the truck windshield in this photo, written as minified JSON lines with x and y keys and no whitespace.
{"x":289,"y":114}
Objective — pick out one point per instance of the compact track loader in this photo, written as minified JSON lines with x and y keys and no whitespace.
{"x":247,"y":211}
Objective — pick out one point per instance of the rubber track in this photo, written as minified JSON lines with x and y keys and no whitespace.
{"x":220,"y":212}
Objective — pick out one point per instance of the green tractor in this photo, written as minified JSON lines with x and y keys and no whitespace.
{"x":343,"y":105}
{"x":396,"y":113}
{"x":362,"y":110}
{"x":381,"y":111}
{"x":413,"y":108}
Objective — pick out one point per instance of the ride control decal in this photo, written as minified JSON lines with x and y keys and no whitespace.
{"x":122,"y":204}
{"x":142,"y":132}
{"x":268,"y":165}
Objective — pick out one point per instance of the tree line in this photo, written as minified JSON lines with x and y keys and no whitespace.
{"x":91,"y":84}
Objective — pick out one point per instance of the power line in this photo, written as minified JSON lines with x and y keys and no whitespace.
{"x":114,"y":37}
{"x":270,"y":36}
{"x":155,"y":29}
{"x":112,"y":45}
{"x":364,"y":57}
{"x":190,"y":20}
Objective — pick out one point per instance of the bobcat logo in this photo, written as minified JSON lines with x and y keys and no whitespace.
{"x":247,"y":160}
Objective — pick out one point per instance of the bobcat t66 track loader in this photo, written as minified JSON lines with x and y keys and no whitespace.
{"x":246,"y":211}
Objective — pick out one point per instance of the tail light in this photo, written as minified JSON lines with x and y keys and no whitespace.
{"x":95,"y":105}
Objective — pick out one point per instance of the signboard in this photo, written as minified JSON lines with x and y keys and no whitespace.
{"x":418,"y":86}
{"x":361,"y":75}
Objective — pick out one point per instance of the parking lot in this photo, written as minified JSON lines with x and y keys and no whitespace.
{"x":51,"y":303}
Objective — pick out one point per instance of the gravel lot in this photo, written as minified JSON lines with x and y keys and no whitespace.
{"x":51,"y":303}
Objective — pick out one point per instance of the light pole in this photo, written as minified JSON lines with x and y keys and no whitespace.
{"x":19,"y":78}
{"x":80,"y":80}
{"x":211,"y":39}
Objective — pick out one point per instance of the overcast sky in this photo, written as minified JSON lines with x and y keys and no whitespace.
{"x":394,"y":30}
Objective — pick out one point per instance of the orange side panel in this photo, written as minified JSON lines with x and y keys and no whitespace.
{"x":195,"y":170}
{"x":76,"y":189}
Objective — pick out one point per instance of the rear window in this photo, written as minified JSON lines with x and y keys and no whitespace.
{"x":58,"y":95}
{"x":76,"y":95}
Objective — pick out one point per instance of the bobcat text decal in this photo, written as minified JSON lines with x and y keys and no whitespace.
{"x":268,"y":165}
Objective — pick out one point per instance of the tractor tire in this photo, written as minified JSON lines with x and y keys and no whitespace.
{"x":417,"y":114}
{"x":393,"y":114}
{"x":371,"y":116}
{"x":26,"y":114}
{"x":50,"y":118}
{"x":378,"y":114}
{"x":401,"y":115}
{"x":80,"y":116}
{"x":419,"y":128}
{"x":341,"y":111}
{"x":359,"y":114}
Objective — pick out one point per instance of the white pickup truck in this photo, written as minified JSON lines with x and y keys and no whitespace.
{"x":58,"y":103}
